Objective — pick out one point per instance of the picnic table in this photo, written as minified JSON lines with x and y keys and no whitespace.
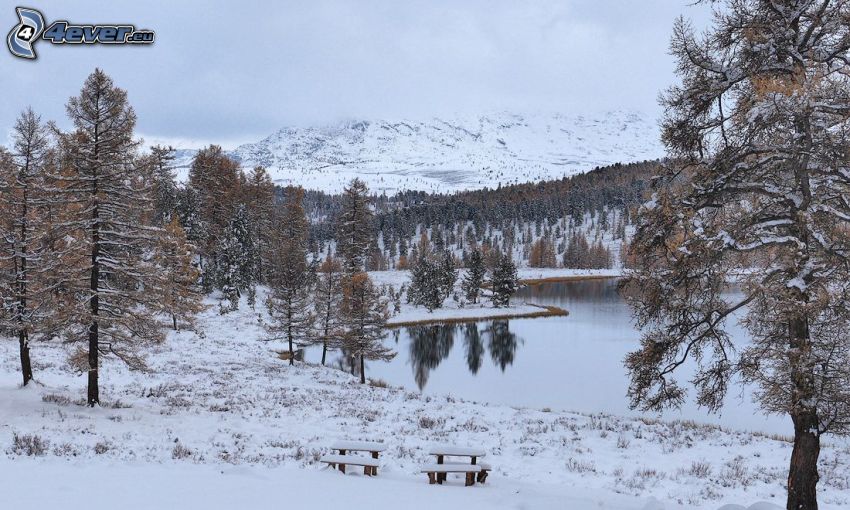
{"x":443,"y":451}
{"x":340,"y":460}
{"x":359,"y":446}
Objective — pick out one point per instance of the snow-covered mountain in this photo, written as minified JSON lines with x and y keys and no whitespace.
{"x":450,"y":154}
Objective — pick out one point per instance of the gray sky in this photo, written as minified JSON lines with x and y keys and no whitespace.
{"x":230,"y":72}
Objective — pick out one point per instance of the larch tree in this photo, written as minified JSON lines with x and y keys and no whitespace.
{"x":107,"y":195}
{"x":759,"y":130}
{"x":289,"y":303}
{"x":365,"y":317}
{"x":179,"y":297}
{"x":354,"y":227}
{"x":328,"y":302}
{"x":24,"y":254}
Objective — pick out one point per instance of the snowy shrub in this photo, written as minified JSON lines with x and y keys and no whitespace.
{"x":55,"y":398}
{"x":30,"y":445}
{"x":700,"y":469}
{"x":734,"y":473}
{"x":643,"y":478}
{"x":378,"y":383}
{"x":426,"y":422}
{"x":65,"y":450}
{"x":622,"y":442}
{"x":102,"y":447}
{"x":180,"y":452}
{"x":580,"y":466}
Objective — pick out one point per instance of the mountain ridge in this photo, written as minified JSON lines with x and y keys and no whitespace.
{"x":446,"y":154}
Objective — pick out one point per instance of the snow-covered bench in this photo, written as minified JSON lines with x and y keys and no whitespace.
{"x":359,"y":446}
{"x":485,"y":470}
{"x":442,"y":451}
{"x":436,"y":472}
{"x":370,"y":466}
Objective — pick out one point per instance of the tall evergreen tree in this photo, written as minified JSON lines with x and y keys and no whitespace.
{"x":474,"y":277}
{"x":757,"y":185}
{"x":165,"y":186}
{"x":328,"y":301}
{"x":426,"y":284}
{"x":354,"y":227}
{"x":107,"y":200}
{"x":504,"y":281}
{"x":446,"y":275}
{"x":24,"y":256}
{"x":216,"y":182}
{"x":179,"y":298}
{"x":289,"y":303}
{"x":234,"y":268}
{"x":259,"y":198}
{"x":365,"y":317}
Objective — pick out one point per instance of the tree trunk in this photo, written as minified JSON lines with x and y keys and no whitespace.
{"x":362,"y":371}
{"x":26,"y":366}
{"x":174,"y":321}
{"x":803,"y":474}
{"x":324,"y":351}
{"x":94,"y":303}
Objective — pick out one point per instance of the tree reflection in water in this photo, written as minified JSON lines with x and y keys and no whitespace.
{"x":430,"y":345}
{"x":474,"y":347}
{"x":502,"y":344}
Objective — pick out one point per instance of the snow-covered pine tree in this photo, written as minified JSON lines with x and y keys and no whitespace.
{"x":236,"y":258}
{"x":216,"y":182}
{"x":328,"y":302}
{"x":24,"y":255}
{"x":474,"y":277}
{"x":365,"y":317}
{"x":109,"y":281}
{"x":289,"y":303}
{"x":179,"y":298}
{"x":258,"y":195}
{"x":426,"y":285}
{"x":165,"y":187}
{"x":503,"y":281}
{"x":446,"y":274}
{"x":756,"y":190}
{"x":354,"y":227}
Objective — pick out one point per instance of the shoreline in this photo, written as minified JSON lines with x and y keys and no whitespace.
{"x":544,"y":311}
{"x":566,"y":278}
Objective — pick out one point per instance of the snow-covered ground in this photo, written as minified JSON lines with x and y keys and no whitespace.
{"x":220,"y":421}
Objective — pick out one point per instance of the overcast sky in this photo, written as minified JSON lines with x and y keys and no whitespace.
{"x":230,"y":72}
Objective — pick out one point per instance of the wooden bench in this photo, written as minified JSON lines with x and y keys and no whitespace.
{"x":442,"y":451}
{"x":485,"y":470}
{"x":437,"y":472}
{"x":370,"y":466}
{"x":359,"y":446}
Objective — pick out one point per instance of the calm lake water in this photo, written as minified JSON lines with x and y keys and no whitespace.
{"x":567,"y":363}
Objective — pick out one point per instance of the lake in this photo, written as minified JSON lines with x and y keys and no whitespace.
{"x":569,"y":363}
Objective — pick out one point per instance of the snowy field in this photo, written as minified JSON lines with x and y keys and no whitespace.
{"x":220,"y":422}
